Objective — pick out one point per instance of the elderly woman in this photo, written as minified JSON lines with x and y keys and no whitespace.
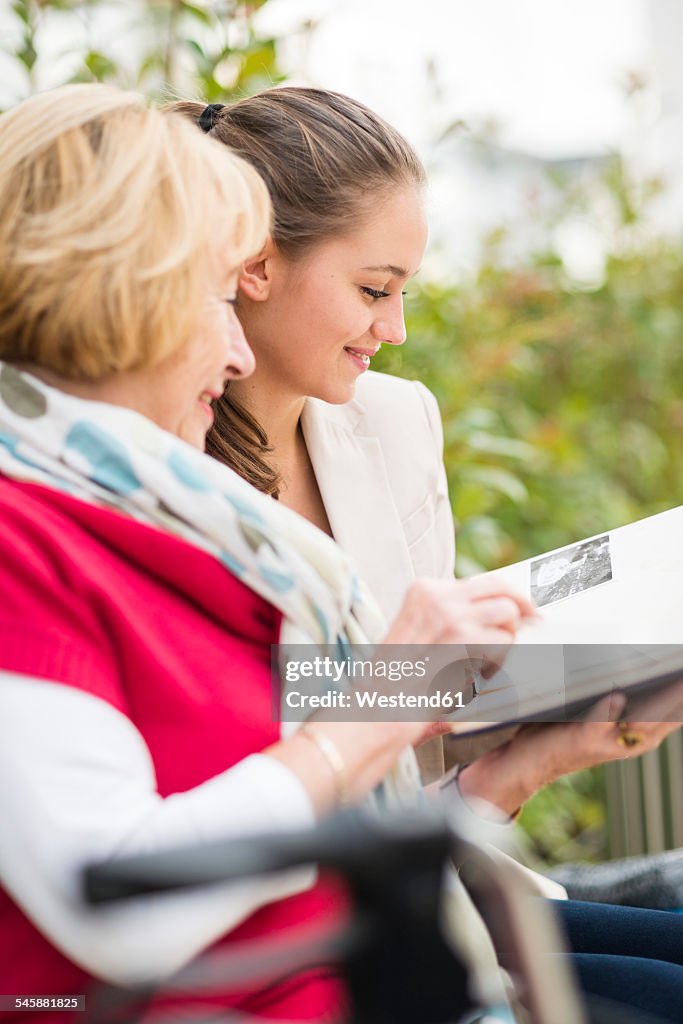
{"x":143,"y":582}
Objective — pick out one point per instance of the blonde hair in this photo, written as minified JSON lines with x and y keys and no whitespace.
{"x":111,"y":217}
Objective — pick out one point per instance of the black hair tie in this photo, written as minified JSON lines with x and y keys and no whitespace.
{"x":207,"y":118}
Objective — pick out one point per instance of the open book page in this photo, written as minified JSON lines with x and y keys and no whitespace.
{"x":612,"y":618}
{"x":648,"y":547}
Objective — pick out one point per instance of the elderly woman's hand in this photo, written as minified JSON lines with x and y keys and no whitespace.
{"x":539,"y":754}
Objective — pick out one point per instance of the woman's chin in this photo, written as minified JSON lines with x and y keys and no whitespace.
{"x":338,"y":394}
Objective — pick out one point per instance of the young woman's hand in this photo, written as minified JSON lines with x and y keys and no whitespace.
{"x":479,"y":610}
{"x":539,"y":754}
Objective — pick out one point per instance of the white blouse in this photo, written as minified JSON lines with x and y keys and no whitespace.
{"x":77,"y":786}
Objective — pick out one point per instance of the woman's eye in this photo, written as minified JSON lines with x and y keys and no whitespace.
{"x":374,"y":293}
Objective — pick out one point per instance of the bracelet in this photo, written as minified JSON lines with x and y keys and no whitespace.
{"x":334,"y":759}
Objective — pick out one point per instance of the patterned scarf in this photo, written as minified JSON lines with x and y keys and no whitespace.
{"x":112,"y":456}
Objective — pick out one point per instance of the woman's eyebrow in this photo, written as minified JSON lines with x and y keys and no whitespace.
{"x":389,"y":268}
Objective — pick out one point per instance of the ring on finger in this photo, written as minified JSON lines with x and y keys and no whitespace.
{"x":628,"y":737}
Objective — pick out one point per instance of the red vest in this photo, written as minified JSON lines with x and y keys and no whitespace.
{"x":160,"y":630}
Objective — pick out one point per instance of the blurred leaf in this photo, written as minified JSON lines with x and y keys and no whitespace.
{"x":96,"y":67}
{"x":194,"y":46}
{"x":198,"y":13}
{"x":505,"y":446}
{"x":496,"y":479}
{"x":22,"y":11}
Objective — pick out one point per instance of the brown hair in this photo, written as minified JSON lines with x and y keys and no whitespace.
{"x":325,"y":159}
{"x":105,"y":238}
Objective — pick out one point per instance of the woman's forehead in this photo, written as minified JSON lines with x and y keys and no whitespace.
{"x":390,"y":242}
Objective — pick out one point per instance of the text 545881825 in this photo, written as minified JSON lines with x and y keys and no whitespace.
{"x":44,"y":1003}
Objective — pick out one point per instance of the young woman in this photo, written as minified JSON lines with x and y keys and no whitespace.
{"x":359,"y":454}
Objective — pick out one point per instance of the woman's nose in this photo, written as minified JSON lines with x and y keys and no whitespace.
{"x":390,"y":327}
{"x":240,"y":361}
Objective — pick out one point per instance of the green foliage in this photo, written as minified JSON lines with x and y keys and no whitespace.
{"x":566,"y":821}
{"x":207,"y":48}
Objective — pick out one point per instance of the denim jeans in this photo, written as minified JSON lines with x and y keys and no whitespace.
{"x":627,"y":955}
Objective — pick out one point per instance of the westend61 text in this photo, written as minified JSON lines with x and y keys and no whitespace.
{"x":444,"y":700}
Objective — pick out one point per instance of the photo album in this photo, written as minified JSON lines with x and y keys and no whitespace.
{"x":611,"y":611}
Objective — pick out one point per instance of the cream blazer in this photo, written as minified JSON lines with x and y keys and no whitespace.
{"x":379,"y":465}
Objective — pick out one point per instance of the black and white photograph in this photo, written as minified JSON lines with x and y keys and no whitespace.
{"x":570,"y":571}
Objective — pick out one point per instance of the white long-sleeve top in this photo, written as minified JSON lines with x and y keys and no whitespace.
{"x":77,"y":786}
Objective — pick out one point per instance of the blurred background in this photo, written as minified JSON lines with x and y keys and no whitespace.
{"x":548,"y":316}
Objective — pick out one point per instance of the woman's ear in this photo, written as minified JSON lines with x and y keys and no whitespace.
{"x":257,"y":274}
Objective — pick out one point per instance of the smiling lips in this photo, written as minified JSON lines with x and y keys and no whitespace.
{"x":361,"y":356}
{"x":205,"y":400}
